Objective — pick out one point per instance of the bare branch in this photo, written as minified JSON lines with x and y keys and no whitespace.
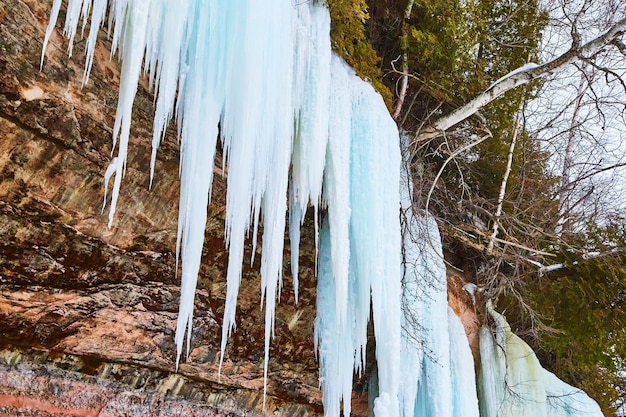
{"x":619,"y":45}
{"x":450,"y":158}
{"x":405,"y":62}
{"x":520,"y":77}
{"x":608,"y":72}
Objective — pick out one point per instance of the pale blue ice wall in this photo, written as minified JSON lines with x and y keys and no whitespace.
{"x":438,"y":367}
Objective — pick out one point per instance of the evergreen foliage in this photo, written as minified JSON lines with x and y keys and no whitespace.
{"x":439,"y":45}
{"x":586,"y":301}
{"x":347,"y":33}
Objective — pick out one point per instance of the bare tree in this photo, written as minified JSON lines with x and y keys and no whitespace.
{"x":612,"y":37}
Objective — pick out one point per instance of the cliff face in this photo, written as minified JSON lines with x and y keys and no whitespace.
{"x":87,"y":313}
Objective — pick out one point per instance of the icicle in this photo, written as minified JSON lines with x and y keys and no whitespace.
{"x":333,"y":338}
{"x":311,"y":91}
{"x":54,"y":15}
{"x":463,"y":376}
{"x":434,"y":394}
{"x":71,"y":22}
{"x":262,"y":71}
{"x":199,"y":131}
{"x":97,"y":17}
{"x":375,"y":231}
{"x":414,"y":286}
{"x":362,"y":205}
{"x":337,"y":180}
{"x":169,"y":77}
{"x":295,"y":220}
{"x":438,"y":366}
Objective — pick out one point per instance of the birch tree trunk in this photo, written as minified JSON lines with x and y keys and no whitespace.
{"x":521,"y":76}
{"x":505,"y":180}
{"x":563,"y":225}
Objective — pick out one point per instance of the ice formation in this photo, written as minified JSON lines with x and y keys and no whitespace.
{"x":297,"y":126}
{"x":360,"y":242}
{"x":513,"y":383}
{"x":253,"y":68}
{"x":258,"y":75}
{"x":438,"y":378}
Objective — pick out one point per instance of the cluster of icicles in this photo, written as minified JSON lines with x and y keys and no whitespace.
{"x":298,"y":129}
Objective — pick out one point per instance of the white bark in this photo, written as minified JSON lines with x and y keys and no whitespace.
{"x":521,"y":76}
{"x":505,"y":180}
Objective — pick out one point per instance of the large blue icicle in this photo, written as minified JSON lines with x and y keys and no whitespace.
{"x":360,"y":245}
{"x":434,"y":390}
{"x":375,"y":236}
{"x":334,"y":339}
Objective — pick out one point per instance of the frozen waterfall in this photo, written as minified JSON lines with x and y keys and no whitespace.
{"x":438,"y":377}
{"x":513,"y":383}
{"x":300,"y":130}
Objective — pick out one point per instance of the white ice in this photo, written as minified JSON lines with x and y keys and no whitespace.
{"x":463,"y":376}
{"x":359,"y":262}
{"x":513,"y":383}
{"x":438,"y":367}
{"x":258,"y":74}
{"x":236,"y":65}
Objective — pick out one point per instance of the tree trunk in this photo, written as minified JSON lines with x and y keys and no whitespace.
{"x":503,"y":184}
{"x":522,"y":76}
{"x":404,"y":81}
{"x":563,"y":223}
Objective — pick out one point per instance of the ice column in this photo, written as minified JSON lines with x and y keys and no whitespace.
{"x":359,"y":244}
{"x":463,"y":376}
{"x":438,"y":376}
